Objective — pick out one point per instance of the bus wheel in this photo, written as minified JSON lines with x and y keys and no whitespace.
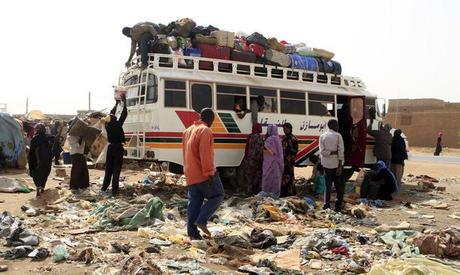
{"x":347,"y":173}
{"x":176,"y":168}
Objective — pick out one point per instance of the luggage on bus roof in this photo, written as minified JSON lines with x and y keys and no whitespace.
{"x":183,"y":36}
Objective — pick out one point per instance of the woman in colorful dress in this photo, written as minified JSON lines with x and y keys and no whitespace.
{"x":273,"y":164}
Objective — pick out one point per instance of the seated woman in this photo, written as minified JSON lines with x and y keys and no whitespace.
{"x":379,"y":184}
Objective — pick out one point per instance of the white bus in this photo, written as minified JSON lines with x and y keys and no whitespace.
{"x":164,"y":99}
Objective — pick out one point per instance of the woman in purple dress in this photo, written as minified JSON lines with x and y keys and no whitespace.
{"x":273,"y":164}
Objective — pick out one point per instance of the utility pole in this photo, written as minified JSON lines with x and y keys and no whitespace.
{"x":89,"y":101}
{"x":27,"y":105}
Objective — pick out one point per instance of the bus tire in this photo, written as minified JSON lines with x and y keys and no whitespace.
{"x":176,"y":168}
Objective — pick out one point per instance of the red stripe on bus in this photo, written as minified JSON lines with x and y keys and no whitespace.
{"x":307,"y":150}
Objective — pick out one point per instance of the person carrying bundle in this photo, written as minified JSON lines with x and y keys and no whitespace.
{"x":79,"y":174}
{"x":115,"y":150}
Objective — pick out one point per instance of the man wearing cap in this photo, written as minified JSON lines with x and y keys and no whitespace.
{"x":200,"y":173}
{"x":141,"y":34}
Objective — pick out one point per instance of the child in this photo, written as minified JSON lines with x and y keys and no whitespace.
{"x":317,"y":176}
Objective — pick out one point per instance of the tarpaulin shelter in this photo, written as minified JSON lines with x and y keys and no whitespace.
{"x":12,"y":141}
{"x":35,"y":115}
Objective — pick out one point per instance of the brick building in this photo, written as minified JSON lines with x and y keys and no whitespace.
{"x":422,"y":119}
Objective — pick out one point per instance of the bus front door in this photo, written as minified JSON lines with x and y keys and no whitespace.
{"x":358,"y":127}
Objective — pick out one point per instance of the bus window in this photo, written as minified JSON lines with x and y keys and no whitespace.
{"x":131,"y":81}
{"x":269,"y":95}
{"x":201,"y":97}
{"x":175,"y":94}
{"x":292,"y":102}
{"x":152,"y":89}
{"x":132,"y":96}
{"x":133,"y":92}
{"x":229,"y":96}
{"x":321,"y":105}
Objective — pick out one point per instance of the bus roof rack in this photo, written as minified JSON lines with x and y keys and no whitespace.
{"x":202,"y":64}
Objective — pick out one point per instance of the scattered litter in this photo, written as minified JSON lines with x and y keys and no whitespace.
{"x":17,"y":252}
{"x":60,"y":254}
{"x":60,"y":173}
{"x":436,"y":204}
{"x":118,"y":248}
{"x":316,"y":264}
{"x":420,"y":266}
{"x":39,"y":254}
{"x":136,"y":265}
{"x":12,"y":185}
{"x":455,"y":215}
{"x":30,"y":211}
{"x":160,"y":242}
{"x":255,"y":270}
{"x":402,"y":226}
{"x":442,"y":243}
{"x":262,"y":238}
{"x":86,"y":255}
{"x":153,"y":249}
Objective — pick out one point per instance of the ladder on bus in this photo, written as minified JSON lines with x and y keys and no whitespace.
{"x":136,"y":146}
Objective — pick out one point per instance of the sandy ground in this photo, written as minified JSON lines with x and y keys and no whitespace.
{"x":449,"y":173}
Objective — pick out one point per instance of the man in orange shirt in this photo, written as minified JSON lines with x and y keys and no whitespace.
{"x":200,"y":173}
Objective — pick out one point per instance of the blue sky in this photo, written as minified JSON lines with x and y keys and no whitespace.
{"x":54,"y":52}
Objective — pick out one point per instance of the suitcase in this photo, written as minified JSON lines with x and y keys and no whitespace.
{"x":172,"y":42}
{"x":184,"y":27}
{"x":257,"y":38}
{"x":278,"y":57}
{"x":166,"y":29}
{"x":215,"y":52}
{"x":192,"y":52}
{"x":242,"y":56}
{"x":206,"y":31}
{"x":257,"y":49}
{"x":306,"y":51}
{"x":159,"y":47}
{"x":181,"y":42}
{"x":224,"y":38}
{"x":324,"y":53}
{"x":329,"y":66}
{"x":303,"y":62}
{"x":202,"y":39}
{"x":315,"y":52}
{"x":241,"y":45}
{"x":275,"y":45}
{"x":289,"y":49}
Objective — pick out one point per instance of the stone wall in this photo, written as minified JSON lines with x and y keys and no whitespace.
{"x":422,"y":119}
